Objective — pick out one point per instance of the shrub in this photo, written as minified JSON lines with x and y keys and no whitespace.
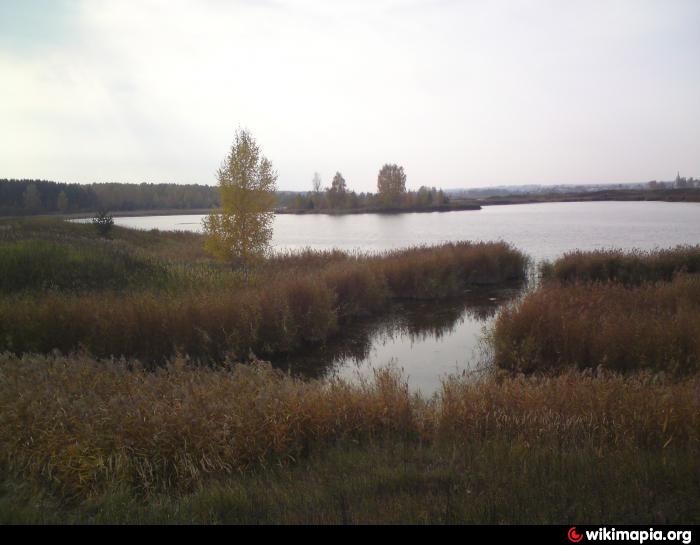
{"x":103,"y":222}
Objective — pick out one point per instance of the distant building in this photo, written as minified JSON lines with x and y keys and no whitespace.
{"x":681,"y":183}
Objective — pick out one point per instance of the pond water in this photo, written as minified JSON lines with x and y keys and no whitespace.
{"x":431,"y":339}
{"x":427,"y":340}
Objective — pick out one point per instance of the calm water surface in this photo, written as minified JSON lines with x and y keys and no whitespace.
{"x":431,"y":339}
{"x":542,"y":230}
{"x":426,"y":339}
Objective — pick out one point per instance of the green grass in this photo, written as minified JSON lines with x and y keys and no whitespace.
{"x":484,"y":482}
{"x":39,"y":265}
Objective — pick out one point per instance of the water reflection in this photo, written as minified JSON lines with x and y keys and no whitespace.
{"x":427,"y":339}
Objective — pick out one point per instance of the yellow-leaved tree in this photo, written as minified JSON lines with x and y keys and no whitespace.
{"x":240,"y":231}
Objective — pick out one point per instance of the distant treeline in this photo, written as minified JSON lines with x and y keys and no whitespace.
{"x":668,"y":194}
{"x":25,"y":197}
{"x":29,"y":197}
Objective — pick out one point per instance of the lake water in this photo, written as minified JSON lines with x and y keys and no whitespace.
{"x":431,"y":339}
{"x":542,"y":230}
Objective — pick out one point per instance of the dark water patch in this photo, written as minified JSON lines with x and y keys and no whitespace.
{"x":427,"y":339}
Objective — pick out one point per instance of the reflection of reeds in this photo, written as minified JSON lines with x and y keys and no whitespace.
{"x":80,"y":426}
{"x":409,"y":321}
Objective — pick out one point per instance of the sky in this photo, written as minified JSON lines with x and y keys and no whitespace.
{"x":460,"y":93}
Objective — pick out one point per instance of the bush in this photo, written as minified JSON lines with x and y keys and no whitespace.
{"x":103,"y":222}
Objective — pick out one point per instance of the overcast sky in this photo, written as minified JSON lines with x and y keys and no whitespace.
{"x":461,"y":93}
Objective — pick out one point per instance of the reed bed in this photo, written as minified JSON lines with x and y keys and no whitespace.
{"x":627,"y":267}
{"x":293,"y":300}
{"x":613,"y":326}
{"x":78,"y":426}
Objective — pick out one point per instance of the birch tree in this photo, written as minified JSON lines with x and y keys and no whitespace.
{"x":240,"y":231}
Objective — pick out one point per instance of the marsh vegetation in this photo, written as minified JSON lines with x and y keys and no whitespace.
{"x":621,"y":311}
{"x":153,"y":295}
{"x":131,"y":387}
{"x":109,"y":441}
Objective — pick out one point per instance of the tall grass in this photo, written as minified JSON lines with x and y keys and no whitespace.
{"x":79,"y":426}
{"x":628,"y":267}
{"x":621,"y":328}
{"x":40,"y":265}
{"x":484,"y":482}
{"x":294,"y":300}
{"x":170,"y":245}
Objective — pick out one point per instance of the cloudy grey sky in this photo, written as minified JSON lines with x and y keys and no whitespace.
{"x":468,"y":93}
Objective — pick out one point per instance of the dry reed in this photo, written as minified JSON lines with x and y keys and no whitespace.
{"x":628,"y":267}
{"x":651,"y":326}
{"x":78,"y":425}
{"x":294,"y":300}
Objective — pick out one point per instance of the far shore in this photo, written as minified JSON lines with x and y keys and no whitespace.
{"x":663,"y":195}
{"x":281,"y":211}
{"x":331,"y":212}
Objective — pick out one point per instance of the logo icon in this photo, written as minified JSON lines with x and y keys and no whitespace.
{"x":573,"y":535}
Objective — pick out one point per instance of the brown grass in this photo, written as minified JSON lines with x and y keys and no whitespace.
{"x":79,"y":426}
{"x":293,"y":300}
{"x":627,"y":267}
{"x":652,"y":326}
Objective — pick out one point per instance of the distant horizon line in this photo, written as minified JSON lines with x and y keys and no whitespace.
{"x":460,"y":188}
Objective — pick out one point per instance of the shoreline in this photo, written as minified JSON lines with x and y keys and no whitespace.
{"x":673,"y":195}
{"x":342,"y":212}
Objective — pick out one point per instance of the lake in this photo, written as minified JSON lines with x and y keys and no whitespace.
{"x":543,"y":230}
{"x":431,"y":339}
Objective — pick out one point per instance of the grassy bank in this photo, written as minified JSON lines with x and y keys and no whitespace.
{"x":109,"y":442}
{"x":485,"y":482}
{"x":41,"y":265}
